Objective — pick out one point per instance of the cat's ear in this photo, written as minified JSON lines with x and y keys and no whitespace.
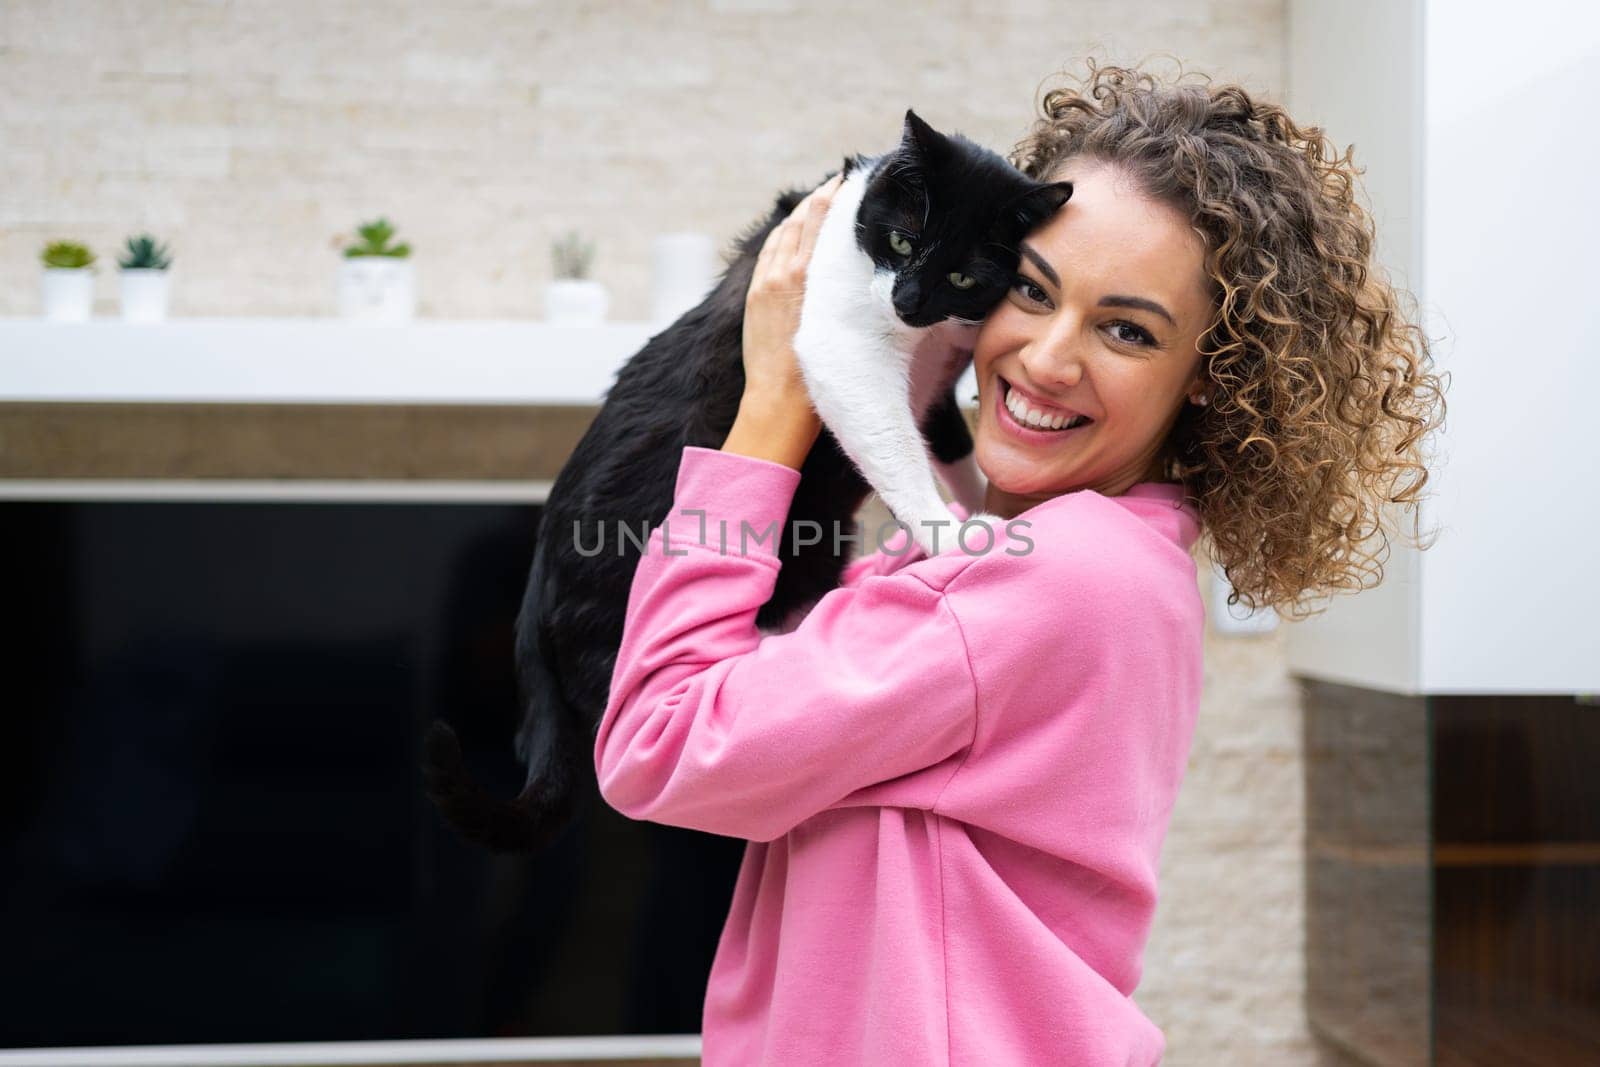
{"x":920,"y":138}
{"x":1036,"y":205}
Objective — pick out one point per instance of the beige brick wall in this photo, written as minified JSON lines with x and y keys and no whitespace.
{"x":249,"y":134}
{"x":1224,"y":972}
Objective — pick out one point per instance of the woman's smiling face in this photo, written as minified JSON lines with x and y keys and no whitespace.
{"x":1103,"y":320}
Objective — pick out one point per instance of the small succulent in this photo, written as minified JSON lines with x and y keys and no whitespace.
{"x":375,"y":241}
{"x":144,"y":253}
{"x":571,"y":256}
{"x":67,"y":255}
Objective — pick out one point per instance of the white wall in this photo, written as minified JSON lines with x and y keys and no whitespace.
{"x":1510,"y":242}
{"x":1481,"y":177}
{"x":1354,"y":69}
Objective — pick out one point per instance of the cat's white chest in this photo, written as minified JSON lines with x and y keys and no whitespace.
{"x":872,"y":378}
{"x":852,"y":347}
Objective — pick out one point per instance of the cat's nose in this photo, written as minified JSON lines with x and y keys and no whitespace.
{"x":908,"y":299}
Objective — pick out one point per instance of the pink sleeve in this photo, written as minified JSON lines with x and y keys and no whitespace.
{"x":711,"y":725}
{"x":858,"y":569}
{"x":878,"y":562}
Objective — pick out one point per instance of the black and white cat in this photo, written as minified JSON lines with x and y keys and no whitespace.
{"x":907,"y":263}
{"x":917,"y":247}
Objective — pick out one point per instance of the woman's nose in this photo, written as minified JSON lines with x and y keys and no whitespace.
{"x":1053,"y":365}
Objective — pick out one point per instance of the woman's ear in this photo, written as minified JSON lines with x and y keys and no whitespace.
{"x":1198,"y":390}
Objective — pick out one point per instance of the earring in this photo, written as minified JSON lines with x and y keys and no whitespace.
{"x":1202,"y":400}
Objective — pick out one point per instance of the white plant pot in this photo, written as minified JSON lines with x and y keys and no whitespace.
{"x":144,"y":292}
{"x":377,"y":289}
{"x":571,"y":302}
{"x":685,"y":269}
{"x":68,"y":293}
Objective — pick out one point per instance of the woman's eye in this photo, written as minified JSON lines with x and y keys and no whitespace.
{"x":899,"y":243}
{"x":1139,"y":336}
{"x":1029,"y":290}
{"x":962,"y":281}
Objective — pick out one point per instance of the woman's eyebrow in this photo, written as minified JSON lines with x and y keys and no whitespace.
{"x":1135,"y":302}
{"x":1139,"y":302}
{"x":1038,"y":261}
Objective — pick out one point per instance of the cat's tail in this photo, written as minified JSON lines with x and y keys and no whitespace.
{"x":550,"y":743}
{"x":526,"y":823}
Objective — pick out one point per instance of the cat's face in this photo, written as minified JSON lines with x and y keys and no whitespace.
{"x":944,"y":216}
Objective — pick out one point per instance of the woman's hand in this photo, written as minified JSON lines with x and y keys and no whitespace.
{"x":777,"y":288}
{"x":776,"y":420}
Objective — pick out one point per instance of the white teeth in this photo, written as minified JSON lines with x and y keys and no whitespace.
{"x":1035,"y":418}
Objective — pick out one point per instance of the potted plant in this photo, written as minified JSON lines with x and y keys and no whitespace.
{"x":376,"y":281}
{"x":573,"y":298}
{"x":143,"y":278}
{"x":67,"y":281}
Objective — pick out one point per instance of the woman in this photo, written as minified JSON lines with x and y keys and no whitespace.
{"x":956,"y":773}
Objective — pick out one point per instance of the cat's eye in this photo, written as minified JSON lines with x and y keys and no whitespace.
{"x":962,"y":281}
{"x":899,"y":243}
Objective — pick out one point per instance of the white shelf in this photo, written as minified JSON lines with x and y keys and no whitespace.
{"x":628,"y":1047}
{"x":313,"y":361}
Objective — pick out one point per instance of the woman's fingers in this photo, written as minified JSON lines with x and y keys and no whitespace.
{"x":812,"y":210}
{"x":788,"y":241}
{"x":787,"y":250}
{"x":772,"y":253}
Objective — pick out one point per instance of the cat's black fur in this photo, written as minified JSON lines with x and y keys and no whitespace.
{"x":683,"y":388}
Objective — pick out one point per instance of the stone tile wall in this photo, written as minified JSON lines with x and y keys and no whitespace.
{"x":249,"y":135}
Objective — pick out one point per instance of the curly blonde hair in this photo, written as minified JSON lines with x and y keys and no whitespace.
{"x":1322,"y":393}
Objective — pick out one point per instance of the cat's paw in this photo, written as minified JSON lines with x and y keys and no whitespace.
{"x":987,"y":518}
{"x":974,"y":535}
{"x":981,"y":532}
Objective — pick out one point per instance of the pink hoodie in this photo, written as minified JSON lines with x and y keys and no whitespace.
{"x":955,"y":773}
